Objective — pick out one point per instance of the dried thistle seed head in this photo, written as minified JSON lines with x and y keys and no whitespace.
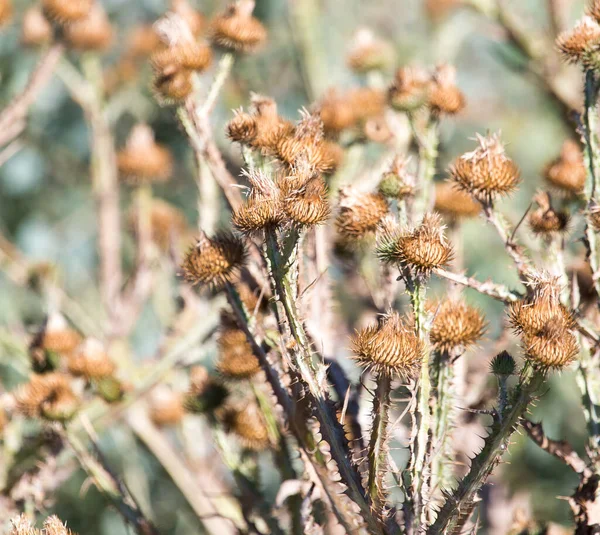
{"x":142,"y":160}
{"x":444,"y":96}
{"x":237,"y":30}
{"x":263,"y":208}
{"x":545,"y":220}
{"x":270,"y":127}
{"x":454,"y":203}
{"x":567,"y":173}
{"x":456,"y":326}
{"x":36,"y":30}
{"x":398,"y":182}
{"x":422,"y":248}
{"x":67,"y":11}
{"x":194,"y":19}
{"x":167,"y":223}
{"x":21,"y":525}
{"x":52,"y":342}
{"x":236,"y":359}
{"x":204,"y":395}
{"x":214,"y":261}
{"x":581,"y":44}
{"x":366,"y":102}
{"x":166,"y":407}
{"x":390,"y":347}
{"x":90,"y":33}
{"x":47,"y":396}
{"x":249,"y":425}
{"x":486,"y":172}
{"x":359,"y":213}
{"x":369,"y":53}
{"x":186,"y":55}
{"x":91,"y":361}
{"x":173,"y":85}
{"x":594,"y":215}
{"x":242,"y":128}
{"x":142,"y":41}
{"x":581,"y":271}
{"x":336,"y":112}
{"x":308,"y":205}
{"x":6,"y":10}
{"x":254,"y":298}
{"x":410,"y":88}
{"x":54,"y":526}
{"x":503,"y":365}
{"x":553,"y":346}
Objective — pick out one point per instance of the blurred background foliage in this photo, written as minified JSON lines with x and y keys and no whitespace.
{"x":47,"y":211}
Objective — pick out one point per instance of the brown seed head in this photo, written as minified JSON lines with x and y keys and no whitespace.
{"x":91,"y":361}
{"x":410,"y":88}
{"x":167,"y":223}
{"x":456,"y":326}
{"x":336,"y":111}
{"x":581,"y":44}
{"x":568,"y":173}
{"x":444,"y":96}
{"x":236,"y":359}
{"x":249,"y":425}
{"x":194,"y":19}
{"x":454,"y":203}
{"x":359,"y":213}
{"x":67,"y":11}
{"x":553,"y":346}
{"x":56,"y":336}
{"x":545,"y":220}
{"x":594,"y":215}
{"x":142,"y":41}
{"x":486,"y":172}
{"x":91,"y":33}
{"x":47,"y":396}
{"x":142,"y":160}
{"x":369,"y":53}
{"x":21,"y":525}
{"x":185,"y":55}
{"x":36,"y":29}
{"x":390,"y":347}
{"x":237,"y":30}
{"x":173,"y":85}
{"x":6,"y":10}
{"x":166,"y":407}
{"x":54,"y":526}
{"x":214,"y":261}
{"x":263,"y":207}
{"x":308,"y":205}
{"x":242,"y":128}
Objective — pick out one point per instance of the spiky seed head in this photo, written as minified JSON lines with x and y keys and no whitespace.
{"x":186,"y":55}
{"x":67,"y":11}
{"x":369,"y":53}
{"x":308,"y":205}
{"x":456,"y":326}
{"x":594,"y":215}
{"x":166,"y":406}
{"x":54,"y":526}
{"x":250,"y":427}
{"x":567,"y":173}
{"x":91,"y":361}
{"x":270,"y":127}
{"x":503,"y":365}
{"x":545,"y":220}
{"x":47,"y":396}
{"x":6,"y":10}
{"x":237,"y":30}
{"x":242,"y":128}
{"x":454,"y":203}
{"x":36,"y":30}
{"x":253,"y":297}
{"x":553,"y":346}
{"x":142,"y":41}
{"x":445,"y":98}
{"x":359,"y":213}
{"x":51,"y":343}
{"x":262,"y":209}
{"x":142,"y":160}
{"x":91,"y":33}
{"x":236,"y":358}
{"x":336,"y":112}
{"x":21,"y":525}
{"x":204,"y":394}
{"x":581,"y":44}
{"x":195,"y":20}
{"x":398,"y":182}
{"x":173,"y":85}
{"x":214,"y":261}
{"x":409,"y":90}
{"x":421,"y":248}
{"x":167,"y":223}
{"x":390,"y":347}
{"x":486,"y":172}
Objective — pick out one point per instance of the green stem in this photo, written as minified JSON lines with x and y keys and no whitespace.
{"x":223,"y":70}
{"x":428,"y":152}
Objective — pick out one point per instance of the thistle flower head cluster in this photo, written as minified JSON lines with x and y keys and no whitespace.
{"x":456,"y":326}
{"x":359,"y":213}
{"x":398,"y":182}
{"x":306,"y":203}
{"x":142,"y":160}
{"x":368,"y":52}
{"x":47,"y":396}
{"x":421,"y":248}
{"x":249,"y":426}
{"x":214,"y":261}
{"x":581,"y":44}
{"x":390,"y":347}
{"x":454,"y":203}
{"x":567,"y":173}
{"x":237,"y":30}
{"x":545,"y":220}
{"x":486,"y":173}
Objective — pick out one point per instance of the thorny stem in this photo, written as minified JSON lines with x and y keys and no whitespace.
{"x":428,"y":152}
{"x":378,"y":445}
{"x":460,"y":502}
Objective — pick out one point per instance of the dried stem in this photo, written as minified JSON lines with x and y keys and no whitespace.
{"x":489,"y":288}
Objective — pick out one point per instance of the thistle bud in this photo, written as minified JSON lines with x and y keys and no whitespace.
{"x":390,"y":347}
{"x":409,"y":90}
{"x":398,"y":182}
{"x":142,"y":160}
{"x":369,"y":53}
{"x":567,"y":173}
{"x":90,"y":33}
{"x":166,"y":407}
{"x":67,"y":11}
{"x":5,"y":12}
{"x":214,"y":261}
{"x":552,"y":346}
{"x":453,"y":203}
{"x":167,"y":223}
{"x":308,"y":205}
{"x":237,"y":30}
{"x":421,"y":248}
{"x":91,"y":361}
{"x":359,"y":213}
{"x":54,"y":341}
{"x":47,"y":396}
{"x":486,"y":172}
{"x":204,"y":395}
{"x":109,"y":388}
{"x":36,"y":30}
{"x":503,"y":365}
{"x":546,"y":220}
{"x":249,"y":425}
{"x":581,"y":44}
{"x":456,"y":326}
{"x":444,"y":96}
